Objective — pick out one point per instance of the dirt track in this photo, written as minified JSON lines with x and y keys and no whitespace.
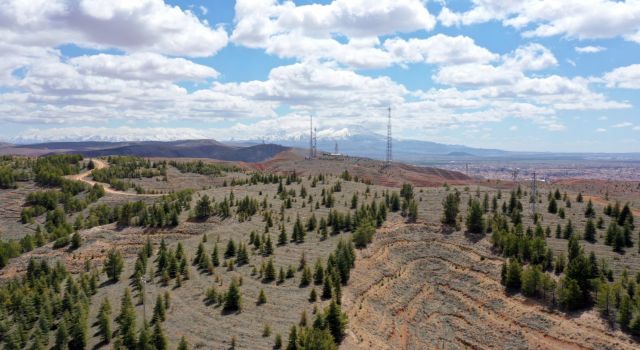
{"x":418,"y":289}
{"x":99,"y":164}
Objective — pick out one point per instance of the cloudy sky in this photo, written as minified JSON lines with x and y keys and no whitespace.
{"x":512,"y":74}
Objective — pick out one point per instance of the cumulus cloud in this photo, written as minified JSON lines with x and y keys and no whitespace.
{"x":592,"y":19}
{"x":142,"y":66}
{"x":439,"y":49}
{"x":627,"y":77}
{"x":144,"y":25}
{"x":589,"y":49}
{"x":317,"y":31}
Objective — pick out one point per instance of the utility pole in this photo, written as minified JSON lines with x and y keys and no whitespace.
{"x":389,"y":158}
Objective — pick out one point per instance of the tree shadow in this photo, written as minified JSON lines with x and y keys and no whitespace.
{"x":474,"y":237}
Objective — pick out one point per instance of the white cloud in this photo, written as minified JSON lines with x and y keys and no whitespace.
{"x":345,"y":31}
{"x":589,"y":49}
{"x":144,"y":25}
{"x":622,"y":125}
{"x":530,"y":57}
{"x":142,"y":66}
{"x":601,"y":130}
{"x":591,"y":19}
{"x":636,"y":128}
{"x":439,"y":49}
{"x":513,"y":128}
{"x":624,"y":77}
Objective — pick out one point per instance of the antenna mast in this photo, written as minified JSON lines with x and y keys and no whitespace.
{"x":315,"y":142}
{"x":389,"y":159}
{"x":311,"y":136}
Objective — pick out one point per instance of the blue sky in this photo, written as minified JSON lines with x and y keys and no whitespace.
{"x":522,"y":75}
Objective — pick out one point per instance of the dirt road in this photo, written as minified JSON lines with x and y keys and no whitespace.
{"x":100,"y":164}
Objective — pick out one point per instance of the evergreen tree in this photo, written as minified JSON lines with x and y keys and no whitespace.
{"x":269,"y":271}
{"x":104,"y":321}
{"x":233,"y":298}
{"x":183,"y":345}
{"x":412,"y":214}
{"x":282,"y":238}
{"x":231,"y":249}
{"x":624,"y":312}
{"x":514,"y":272}
{"x":298,"y":231}
{"x":590,"y":231}
{"x":204,"y":209}
{"x":144,"y":338}
{"x":114,"y":265}
{"x":450,"y":206}
{"x":159,"y":339}
{"x":570,"y":294}
{"x":127,"y":320}
{"x":475,"y":220}
{"x":159,"y":313}
{"x":215,"y":256}
{"x":336,"y":321}
{"x":262,"y":298}
{"x":589,"y":212}
{"x":553,"y":206}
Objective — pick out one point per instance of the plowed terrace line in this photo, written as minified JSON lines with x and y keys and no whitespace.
{"x":417,"y":289}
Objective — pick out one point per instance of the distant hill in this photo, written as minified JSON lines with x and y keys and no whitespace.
{"x":361,"y":143}
{"x":171,"y":149}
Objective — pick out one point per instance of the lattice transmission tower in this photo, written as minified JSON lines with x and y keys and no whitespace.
{"x":389,"y":154}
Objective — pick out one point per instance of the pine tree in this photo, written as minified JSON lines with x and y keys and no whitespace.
{"x":233,"y":298}
{"x":590,"y":231}
{"x":104,"y":321}
{"x":305,"y":279}
{"x":159,"y":313}
{"x":262,"y":298}
{"x":292,"y":343}
{"x":127,"y":320}
{"x":336,"y":321}
{"x":412,"y":214}
{"x":553,"y":206}
{"x":268,"y":246}
{"x":298,"y":231}
{"x":144,"y":338}
{"x":475,"y":220}
{"x":231,"y":249}
{"x":269,"y":271}
{"x":326,"y":288}
{"x":159,"y":339}
{"x":318,"y":275}
{"x":450,"y":206}
{"x":313,"y":296}
{"x":114,"y":265}
{"x":183,"y":345}
{"x":589,"y":212}
{"x":624,"y":312}
{"x":282,"y":238}
{"x":514,"y":272}
{"x":215,"y":256}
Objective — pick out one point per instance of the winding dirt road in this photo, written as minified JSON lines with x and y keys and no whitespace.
{"x":100,"y":164}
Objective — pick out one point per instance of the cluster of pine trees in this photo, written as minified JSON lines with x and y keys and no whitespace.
{"x":163,"y":212}
{"x":202,"y":168}
{"x":46,"y":303}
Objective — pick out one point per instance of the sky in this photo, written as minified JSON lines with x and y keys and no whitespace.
{"x":527,"y":75}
